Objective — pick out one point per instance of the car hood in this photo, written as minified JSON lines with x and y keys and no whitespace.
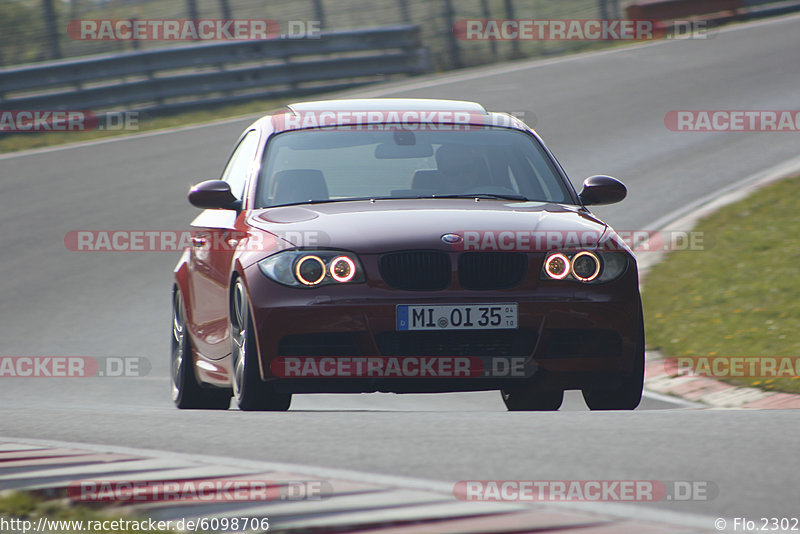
{"x":384,"y":225}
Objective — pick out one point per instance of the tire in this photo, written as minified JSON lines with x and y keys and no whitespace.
{"x":531,"y":400}
{"x":628,"y":394}
{"x":187,"y":393}
{"x":250,"y":392}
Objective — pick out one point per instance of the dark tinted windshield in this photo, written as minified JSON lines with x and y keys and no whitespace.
{"x":329,"y":164}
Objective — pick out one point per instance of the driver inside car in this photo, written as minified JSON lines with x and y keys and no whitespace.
{"x":460,"y":170}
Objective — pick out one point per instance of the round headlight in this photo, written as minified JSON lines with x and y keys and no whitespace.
{"x":343,"y":269}
{"x":585,"y":266}
{"x":557,"y":266}
{"x":310,"y":270}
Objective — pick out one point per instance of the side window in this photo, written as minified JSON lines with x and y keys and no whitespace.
{"x":239,"y":164}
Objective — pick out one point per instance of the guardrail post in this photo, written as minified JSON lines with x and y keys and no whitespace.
{"x":404,"y":13}
{"x":617,"y":10}
{"x":515,"y":50}
{"x":449,"y":20}
{"x":604,"y":9}
{"x":52,"y":29}
{"x":319,"y":13}
{"x":191,"y":7}
{"x":487,"y":14}
{"x":135,"y":44}
{"x":225,"y":8}
{"x":609,"y":9}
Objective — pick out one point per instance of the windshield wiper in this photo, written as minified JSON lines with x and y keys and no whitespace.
{"x":328,"y":201}
{"x":481,"y":195}
{"x":357,"y":199}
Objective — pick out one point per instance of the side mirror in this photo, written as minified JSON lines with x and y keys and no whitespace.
{"x":212,"y":194}
{"x":602,"y":190}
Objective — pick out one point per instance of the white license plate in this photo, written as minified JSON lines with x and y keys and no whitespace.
{"x":460,"y":317}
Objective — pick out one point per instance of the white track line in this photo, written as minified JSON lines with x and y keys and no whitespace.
{"x":670,"y":399}
{"x":626,"y":511}
{"x":685,"y":218}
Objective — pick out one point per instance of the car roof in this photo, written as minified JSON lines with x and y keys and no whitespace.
{"x":389,"y":104}
{"x":280,"y":120}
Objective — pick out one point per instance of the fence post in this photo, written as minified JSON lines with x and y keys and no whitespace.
{"x":225,"y":9}
{"x":74,"y":9}
{"x":319,"y":13}
{"x":515,"y":51}
{"x":487,"y":14}
{"x":604,"y":10}
{"x":404,"y":13}
{"x":52,"y":28}
{"x":135,"y":43}
{"x":449,"y":20}
{"x":191,"y":9}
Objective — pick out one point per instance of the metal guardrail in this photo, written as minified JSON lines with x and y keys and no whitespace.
{"x":196,"y":75}
{"x":723,"y":10}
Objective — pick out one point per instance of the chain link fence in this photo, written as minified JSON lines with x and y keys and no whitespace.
{"x":36,"y":30}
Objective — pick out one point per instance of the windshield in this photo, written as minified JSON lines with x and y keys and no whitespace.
{"x":330,"y":164}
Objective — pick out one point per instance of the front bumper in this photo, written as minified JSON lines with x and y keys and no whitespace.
{"x":569,"y":335}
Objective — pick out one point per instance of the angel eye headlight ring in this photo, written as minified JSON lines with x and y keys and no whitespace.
{"x":342,"y":269}
{"x":586,"y":266}
{"x":310,"y":270}
{"x":557,"y":266}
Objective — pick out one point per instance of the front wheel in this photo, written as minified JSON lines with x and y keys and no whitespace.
{"x":628,"y":391}
{"x":187,"y":393}
{"x":250,"y":392}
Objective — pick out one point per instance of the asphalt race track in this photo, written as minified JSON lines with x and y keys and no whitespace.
{"x":601,"y":113}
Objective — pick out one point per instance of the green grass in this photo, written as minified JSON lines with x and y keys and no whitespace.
{"x":740,"y":296}
{"x":27,"y":506}
{"x":17,"y":506}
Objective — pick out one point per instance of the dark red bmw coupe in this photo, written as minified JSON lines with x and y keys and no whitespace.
{"x":402,"y":245}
